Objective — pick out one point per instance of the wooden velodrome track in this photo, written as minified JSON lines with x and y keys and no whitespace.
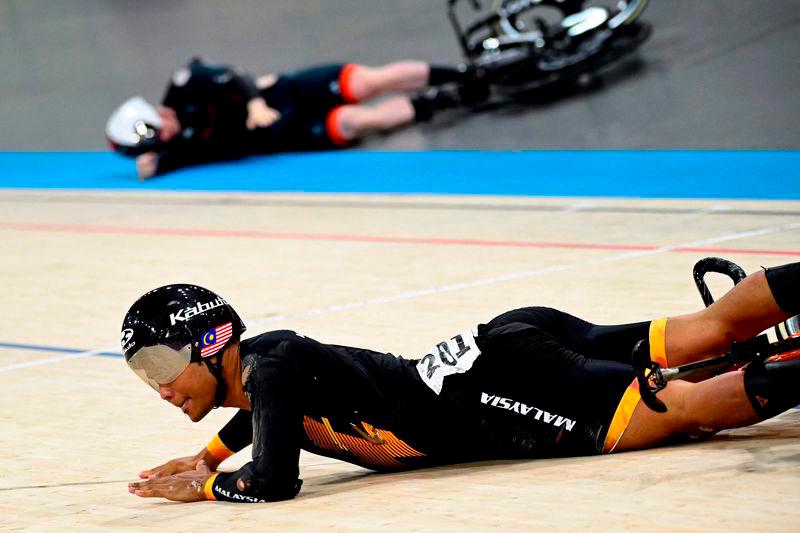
{"x":390,"y":273}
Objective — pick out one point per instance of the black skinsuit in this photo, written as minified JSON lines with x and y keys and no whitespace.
{"x":211,"y":104}
{"x":517,"y":389}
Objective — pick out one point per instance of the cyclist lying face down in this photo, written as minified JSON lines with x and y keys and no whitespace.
{"x":530,"y":383}
{"x":212,"y":113}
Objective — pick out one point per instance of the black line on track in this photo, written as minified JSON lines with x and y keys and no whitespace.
{"x":108,"y":482}
{"x":69,"y":484}
{"x":346,"y":204}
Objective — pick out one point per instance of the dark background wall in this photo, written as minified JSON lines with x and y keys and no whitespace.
{"x":716,"y":73}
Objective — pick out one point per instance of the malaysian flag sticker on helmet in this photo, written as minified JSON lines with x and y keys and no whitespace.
{"x":214,"y":339}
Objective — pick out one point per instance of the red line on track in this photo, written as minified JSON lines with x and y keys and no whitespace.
{"x":289,"y":236}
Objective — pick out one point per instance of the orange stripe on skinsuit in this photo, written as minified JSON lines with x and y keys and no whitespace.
{"x":629,"y":401}
{"x":658,"y":342}
{"x":622,"y":417}
{"x":332,"y":433}
{"x":386,"y":455}
{"x":208,"y":488}
{"x":218,"y":449}
{"x":332,"y":128}
{"x":319,"y":434}
{"x":346,"y":83}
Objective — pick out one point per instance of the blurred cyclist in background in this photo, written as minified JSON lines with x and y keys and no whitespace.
{"x":213,"y":113}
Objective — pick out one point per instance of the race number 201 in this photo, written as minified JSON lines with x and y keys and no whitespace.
{"x":453,"y":356}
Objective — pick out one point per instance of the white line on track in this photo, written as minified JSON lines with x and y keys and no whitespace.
{"x":519,"y":275}
{"x":458,"y":286}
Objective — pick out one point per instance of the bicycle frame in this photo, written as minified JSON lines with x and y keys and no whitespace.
{"x":496,"y":31}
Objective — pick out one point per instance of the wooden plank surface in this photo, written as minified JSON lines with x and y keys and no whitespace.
{"x":390,"y":273}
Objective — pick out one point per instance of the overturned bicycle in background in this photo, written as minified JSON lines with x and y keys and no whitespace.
{"x":519,"y":48}
{"x":652,"y":377}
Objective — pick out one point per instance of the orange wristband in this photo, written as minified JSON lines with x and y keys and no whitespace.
{"x":208,"y":488}
{"x":218,"y":449}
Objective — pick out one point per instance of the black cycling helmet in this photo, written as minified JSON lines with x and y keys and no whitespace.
{"x":174,"y":325}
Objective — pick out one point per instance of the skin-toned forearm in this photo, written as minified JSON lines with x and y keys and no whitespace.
{"x":211,"y":460}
